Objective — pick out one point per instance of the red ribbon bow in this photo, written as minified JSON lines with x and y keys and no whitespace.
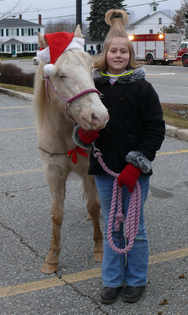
{"x":73,"y":154}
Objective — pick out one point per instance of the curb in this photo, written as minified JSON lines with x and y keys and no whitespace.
{"x":171,"y":131}
{"x":25,"y":96}
{"x":181,"y":134}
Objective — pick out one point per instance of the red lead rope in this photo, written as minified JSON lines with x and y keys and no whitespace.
{"x":73,"y":154}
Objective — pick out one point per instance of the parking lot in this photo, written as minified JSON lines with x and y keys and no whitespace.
{"x":25,"y":229}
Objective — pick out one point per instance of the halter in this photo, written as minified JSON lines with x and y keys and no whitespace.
{"x":67,"y":101}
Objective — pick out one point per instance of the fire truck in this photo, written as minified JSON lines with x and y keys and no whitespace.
{"x":183,"y":53}
{"x":156,"y":48}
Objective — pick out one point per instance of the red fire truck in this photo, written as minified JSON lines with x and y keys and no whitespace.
{"x":156,"y":48}
{"x":183,"y":53}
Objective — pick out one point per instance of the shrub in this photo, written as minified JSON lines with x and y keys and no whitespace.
{"x":12,"y":74}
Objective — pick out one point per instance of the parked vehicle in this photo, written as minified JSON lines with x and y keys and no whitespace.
{"x":35,"y":60}
{"x":156,"y":48}
{"x":183,"y":53}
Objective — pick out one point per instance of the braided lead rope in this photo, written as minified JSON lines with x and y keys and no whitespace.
{"x":131,"y":223}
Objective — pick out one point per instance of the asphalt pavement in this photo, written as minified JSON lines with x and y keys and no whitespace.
{"x":25,"y":229}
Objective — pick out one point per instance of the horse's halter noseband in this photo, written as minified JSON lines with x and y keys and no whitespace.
{"x":67,"y":101}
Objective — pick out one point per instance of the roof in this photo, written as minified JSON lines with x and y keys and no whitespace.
{"x":150,"y":15}
{"x":18,"y":23}
{"x":13,"y":41}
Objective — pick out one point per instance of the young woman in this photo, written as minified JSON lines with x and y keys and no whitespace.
{"x":128,"y":144}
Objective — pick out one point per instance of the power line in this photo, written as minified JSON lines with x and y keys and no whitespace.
{"x":60,"y":17}
{"x":50,"y":9}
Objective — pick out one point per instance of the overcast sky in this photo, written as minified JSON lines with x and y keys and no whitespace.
{"x":54,"y":10}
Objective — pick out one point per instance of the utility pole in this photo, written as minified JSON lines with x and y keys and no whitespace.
{"x":186,"y":23}
{"x":79,"y":12}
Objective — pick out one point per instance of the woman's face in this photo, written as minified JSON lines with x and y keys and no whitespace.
{"x":117,"y":57}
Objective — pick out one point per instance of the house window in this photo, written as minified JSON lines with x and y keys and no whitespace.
{"x":17,"y":32}
{"x":29,"y":32}
{"x":160,"y":20}
{"x":22,"y":31}
{"x":7,"y":31}
{"x":150,"y":31}
{"x":12,"y":32}
{"x":2,"y":32}
{"x":32,"y":31}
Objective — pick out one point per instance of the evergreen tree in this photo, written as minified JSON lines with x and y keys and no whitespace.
{"x":97,"y":26}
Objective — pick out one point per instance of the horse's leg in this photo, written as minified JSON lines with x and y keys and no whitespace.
{"x":56,"y":179}
{"x":93,"y":207}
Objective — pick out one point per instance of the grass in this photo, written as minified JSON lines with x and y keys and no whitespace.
{"x":174,"y":114}
{"x":15,"y":58}
{"x":19,"y":88}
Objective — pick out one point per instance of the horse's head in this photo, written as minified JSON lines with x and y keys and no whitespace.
{"x":72,"y":89}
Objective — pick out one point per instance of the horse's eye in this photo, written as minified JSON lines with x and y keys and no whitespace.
{"x":62,"y":76}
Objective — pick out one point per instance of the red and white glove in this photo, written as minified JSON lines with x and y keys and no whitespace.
{"x":87,"y":136}
{"x":129,"y":176}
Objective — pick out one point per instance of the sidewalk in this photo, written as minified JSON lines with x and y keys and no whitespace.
{"x":171,"y":131}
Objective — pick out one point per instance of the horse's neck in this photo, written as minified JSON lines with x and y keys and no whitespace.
{"x":56,"y":131}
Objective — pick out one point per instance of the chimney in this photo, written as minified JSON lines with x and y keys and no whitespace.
{"x":40,"y":19}
{"x":20,"y":16}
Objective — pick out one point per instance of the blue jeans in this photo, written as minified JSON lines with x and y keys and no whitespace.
{"x":132,"y":268}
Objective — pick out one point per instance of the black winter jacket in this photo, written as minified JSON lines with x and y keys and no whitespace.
{"x":136,"y":120}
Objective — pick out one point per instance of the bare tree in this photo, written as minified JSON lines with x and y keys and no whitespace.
{"x":59,"y":27}
{"x":64,"y":26}
{"x":179,"y":18}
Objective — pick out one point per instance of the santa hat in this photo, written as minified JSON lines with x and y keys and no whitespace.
{"x":58,"y":43}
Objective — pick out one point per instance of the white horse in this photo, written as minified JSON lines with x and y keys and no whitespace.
{"x":66,"y":96}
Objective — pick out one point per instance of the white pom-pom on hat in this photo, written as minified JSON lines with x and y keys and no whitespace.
{"x":49,"y":70}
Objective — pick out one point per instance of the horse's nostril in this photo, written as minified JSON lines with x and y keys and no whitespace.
{"x":94,"y":117}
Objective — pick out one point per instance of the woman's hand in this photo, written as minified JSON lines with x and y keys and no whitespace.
{"x":129,"y":176}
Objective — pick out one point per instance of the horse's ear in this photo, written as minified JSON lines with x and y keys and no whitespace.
{"x":41,"y":41}
{"x":78,"y":32}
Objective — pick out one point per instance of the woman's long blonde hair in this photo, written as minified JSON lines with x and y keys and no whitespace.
{"x":116,"y":19}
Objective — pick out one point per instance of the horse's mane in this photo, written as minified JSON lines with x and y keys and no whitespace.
{"x":39,"y":97}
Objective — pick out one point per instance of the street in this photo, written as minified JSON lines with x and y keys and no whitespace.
{"x":169,"y":81}
{"x":25,"y":227}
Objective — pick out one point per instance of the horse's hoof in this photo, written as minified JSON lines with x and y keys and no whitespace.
{"x":49,"y":268}
{"x":98,"y":256}
{"x":89,"y":217}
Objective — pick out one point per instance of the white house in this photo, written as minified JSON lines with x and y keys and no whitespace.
{"x":151,"y":23}
{"x":18,"y":37}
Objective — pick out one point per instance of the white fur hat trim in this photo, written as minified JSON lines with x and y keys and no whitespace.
{"x":44,"y":55}
{"x":76,"y":43}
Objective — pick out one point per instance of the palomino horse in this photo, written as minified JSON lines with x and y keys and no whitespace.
{"x":67,"y":96}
